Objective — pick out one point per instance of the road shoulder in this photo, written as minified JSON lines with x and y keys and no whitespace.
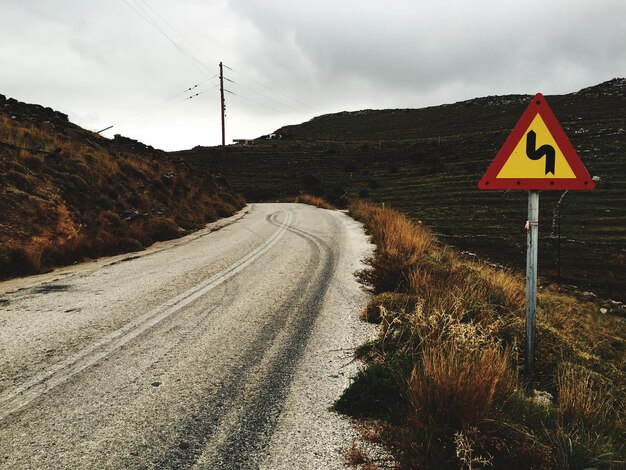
{"x":309,"y":435}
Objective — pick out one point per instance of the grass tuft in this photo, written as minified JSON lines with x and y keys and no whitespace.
{"x":583,"y":398}
{"x":458,"y":383}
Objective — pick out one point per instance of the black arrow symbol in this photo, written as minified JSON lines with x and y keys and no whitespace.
{"x":543,"y":151}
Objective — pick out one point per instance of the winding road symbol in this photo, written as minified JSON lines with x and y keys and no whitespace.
{"x":537,"y":135}
{"x":538,"y":153}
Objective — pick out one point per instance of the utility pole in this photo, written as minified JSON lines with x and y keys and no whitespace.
{"x":223,"y":108}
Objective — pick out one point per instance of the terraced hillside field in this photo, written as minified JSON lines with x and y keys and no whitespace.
{"x":427,"y":163}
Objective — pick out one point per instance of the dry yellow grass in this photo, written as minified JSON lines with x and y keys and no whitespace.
{"x":401,"y":246}
{"x":459,"y":382}
{"x":313,"y":201}
{"x":460,"y":323}
{"x":395,"y":234}
{"x":583,"y":398}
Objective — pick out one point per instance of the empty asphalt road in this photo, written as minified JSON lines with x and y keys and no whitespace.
{"x":223,"y":349}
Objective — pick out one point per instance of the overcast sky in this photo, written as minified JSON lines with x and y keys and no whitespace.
{"x":128,"y":63}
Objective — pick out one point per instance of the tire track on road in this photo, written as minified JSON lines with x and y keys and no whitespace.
{"x":235,"y":427}
{"x":19,"y":396}
{"x":251,"y":435}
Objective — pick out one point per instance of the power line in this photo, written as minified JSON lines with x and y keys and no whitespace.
{"x":282,"y":103}
{"x":152,"y":17}
{"x":264,"y":95}
{"x":144,"y":14}
{"x":198,"y":94}
{"x":167,"y":103}
{"x":270,"y":88}
{"x":173,"y":28}
{"x":202,"y":68}
{"x":250,"y":99}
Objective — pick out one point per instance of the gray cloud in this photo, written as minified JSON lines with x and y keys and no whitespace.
{"x":101,"y":62}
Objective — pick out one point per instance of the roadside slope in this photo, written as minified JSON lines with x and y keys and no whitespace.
{"x":445,"y":385}
{"x":67,"y":193}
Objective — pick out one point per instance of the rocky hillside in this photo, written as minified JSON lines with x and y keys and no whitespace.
{"x":427,"y":162}
{"x":68,"y":194}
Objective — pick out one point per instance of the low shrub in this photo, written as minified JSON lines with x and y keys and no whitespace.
{"x":150,"y":229}
{"x":18,"y":261}
{"x":378,"y":392}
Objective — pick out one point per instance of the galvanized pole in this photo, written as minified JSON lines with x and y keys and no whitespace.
{"x":532,"y":226}
{"x":558,"y":252}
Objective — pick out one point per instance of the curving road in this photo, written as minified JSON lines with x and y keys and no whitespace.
{"x":223,"y":349}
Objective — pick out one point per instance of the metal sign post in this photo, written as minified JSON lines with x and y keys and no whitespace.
{"x":537,"y":155}
{"x":532,"y":240}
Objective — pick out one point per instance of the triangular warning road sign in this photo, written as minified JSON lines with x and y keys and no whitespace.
{"x":537,"y":155}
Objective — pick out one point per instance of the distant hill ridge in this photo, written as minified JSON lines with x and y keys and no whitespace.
{"x":491,"y":111}
{"x":427,"y":162}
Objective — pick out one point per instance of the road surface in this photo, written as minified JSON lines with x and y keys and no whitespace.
{"x":223,"y":349}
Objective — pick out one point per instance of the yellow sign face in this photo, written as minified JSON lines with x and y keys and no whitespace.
{"x":537,"y":155}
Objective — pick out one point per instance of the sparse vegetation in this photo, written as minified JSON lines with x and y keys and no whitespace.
{"x":68,"y":194}
{"x":313,"y":201}
{"x":444,"y":378}
{"x":355,"y":455}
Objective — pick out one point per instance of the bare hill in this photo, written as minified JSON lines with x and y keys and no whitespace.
{"x":427,"y":162}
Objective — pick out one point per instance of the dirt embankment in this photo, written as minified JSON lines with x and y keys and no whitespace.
{"x":67,"y":193}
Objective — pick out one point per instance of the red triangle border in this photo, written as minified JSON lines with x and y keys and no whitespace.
{"x":538,"y":105}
